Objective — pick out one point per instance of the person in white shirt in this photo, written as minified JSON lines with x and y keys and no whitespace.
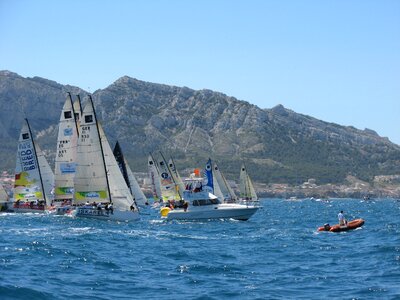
{"x":342,"y":220}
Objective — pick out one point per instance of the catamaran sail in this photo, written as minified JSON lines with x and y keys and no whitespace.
{"x":33,"y":176}
{"x":247,"y":191}
{"x":67,"y":142}
{"x":226,"y":190}
{"x":130,"y":179}
{"x":98,"y":177}
{"x":154,"y":175}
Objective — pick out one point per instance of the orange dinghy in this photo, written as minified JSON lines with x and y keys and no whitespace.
{"x":337,"y":228}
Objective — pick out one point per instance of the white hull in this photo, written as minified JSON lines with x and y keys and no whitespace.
{"x":116,"y":215}
{"x":25,"y":208}
{"x":218,"y":211}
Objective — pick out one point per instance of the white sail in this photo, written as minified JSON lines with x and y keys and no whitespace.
{"x":169,"y":190}
{"x":175,"y":176}
{"x":136,"y":191}
{"x":47,"y":176}
{"x":90,"y":182}
{"x":28,"y":185}
{"x":67,"y":142}
{"x":77,"y":108}
{"x":226,"y":190}
{"x":247,"y":191}
{"x":98,"y":177}
{"x":154,"y":175}
{"x":120,"y":193}
{"x":3,"y":194}
{"x":210,"y":184}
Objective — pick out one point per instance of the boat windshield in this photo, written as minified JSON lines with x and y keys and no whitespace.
{"x":203,"y":202}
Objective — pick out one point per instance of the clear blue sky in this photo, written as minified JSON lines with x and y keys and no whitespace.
{"x":338,"y":61}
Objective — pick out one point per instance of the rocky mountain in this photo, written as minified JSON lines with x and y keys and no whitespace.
{"x":278,"y":145}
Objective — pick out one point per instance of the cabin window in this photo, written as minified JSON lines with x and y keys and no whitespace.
{"x":150,"y":162}
{"x":76,"y":116}
{"x":67,"y":115}
{"x":214,"y":201}
{"x":89,"y":119}
{"x":196,"y":203}
{"x":25,"y":136}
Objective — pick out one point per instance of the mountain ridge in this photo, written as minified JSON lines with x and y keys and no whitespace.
{"x":277,"y":144}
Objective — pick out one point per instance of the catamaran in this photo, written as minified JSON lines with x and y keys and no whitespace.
{"x":130,"y":179}
{"x":100,"y":190}
{"x":247,"y":191}
{"x":199,"y":202}
{"x":65,"y":163}
{"x":34,"y":179}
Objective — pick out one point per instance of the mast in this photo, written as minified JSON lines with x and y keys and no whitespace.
{"x":37,"y":160}
{"x":101,"y":148}
{"x":172,"y":177}
{"x":73,"y":111}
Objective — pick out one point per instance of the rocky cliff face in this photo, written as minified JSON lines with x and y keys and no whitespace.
{"x":277,"y":144}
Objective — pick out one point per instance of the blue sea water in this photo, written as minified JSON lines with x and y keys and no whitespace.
{"x":277,"y":254}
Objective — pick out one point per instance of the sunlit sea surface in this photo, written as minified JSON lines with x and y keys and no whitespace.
{"x":277,"y":254}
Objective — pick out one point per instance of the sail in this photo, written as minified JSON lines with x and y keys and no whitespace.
{"x":120,"y":193}
{"x":67,"y":142}
{"x":77,"y":108}
{"x":210,"y":184}
{"x":136,"y":191}
{"x":129,"y":177}
{"x":28,"y":184}
{"x":154,"y":175}
{"x":90,"y":182}
{"x":175,"y":176}
{"x":247,"y":191}
{"x":3,"y":194}
{"x":169,"y":190}
{"x":226,"y":190}
{"x":47,"y":175}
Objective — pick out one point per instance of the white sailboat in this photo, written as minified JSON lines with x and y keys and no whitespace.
{"x":65,"y":162}
{"x":228,"y":195}
{"x":200,"y":202}
{"x":130,"y":179}
{"x":175,"y":176}
{"x":169,"y":188}
{"x":34,"y":179}
{"x":154,"y":175}
{"x":247,"y":191}
{"x":98,"y":182}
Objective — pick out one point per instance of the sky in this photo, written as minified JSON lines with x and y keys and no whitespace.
{"x":337,"y":61}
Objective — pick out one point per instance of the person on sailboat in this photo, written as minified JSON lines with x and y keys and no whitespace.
{"x":342,"y":220}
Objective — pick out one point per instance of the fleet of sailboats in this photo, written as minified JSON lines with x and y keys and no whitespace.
{"x":93,"y":181}
{"x":200,"y":201}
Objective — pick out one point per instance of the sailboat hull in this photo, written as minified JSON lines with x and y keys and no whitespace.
{"x":116,"y":215}
{"x":26,"y":208}
{"x":220,"y":211}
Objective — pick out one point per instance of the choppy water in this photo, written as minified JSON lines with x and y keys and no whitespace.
{"x":277,"y":254}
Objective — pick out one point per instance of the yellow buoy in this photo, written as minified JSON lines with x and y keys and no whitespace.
{"x":164,"y":211}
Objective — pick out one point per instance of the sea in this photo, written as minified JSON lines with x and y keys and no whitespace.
{"x":277,"y":254}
